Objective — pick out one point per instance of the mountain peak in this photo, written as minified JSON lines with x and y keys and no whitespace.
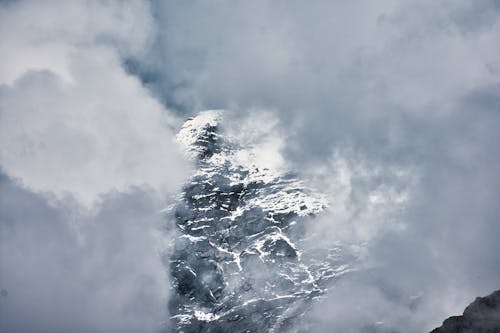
{"x":198,"y":134}
{"x":238,"y":264}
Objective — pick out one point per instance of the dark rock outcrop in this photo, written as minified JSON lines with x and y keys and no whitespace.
{"x":481,"y":316}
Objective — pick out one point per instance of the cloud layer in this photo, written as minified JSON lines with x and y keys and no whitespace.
{"x":88,"y":159}
{"x":63,"y":272}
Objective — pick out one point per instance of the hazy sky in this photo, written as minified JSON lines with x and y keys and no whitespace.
{"x":391,"y":107}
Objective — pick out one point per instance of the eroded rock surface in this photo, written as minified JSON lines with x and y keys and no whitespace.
{"x":238,"y":265}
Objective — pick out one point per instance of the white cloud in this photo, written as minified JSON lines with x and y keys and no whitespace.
{"x":73,"y":121}
{"x":39,"y":36}
{"x":78,"y":131}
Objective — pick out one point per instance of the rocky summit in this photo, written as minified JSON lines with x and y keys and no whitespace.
{"x":238,"y":264}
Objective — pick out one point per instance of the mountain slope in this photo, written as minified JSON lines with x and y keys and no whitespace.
{"x":238,"y":265}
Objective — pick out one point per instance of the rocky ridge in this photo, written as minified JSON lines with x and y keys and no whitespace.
{"x":237,"y":265}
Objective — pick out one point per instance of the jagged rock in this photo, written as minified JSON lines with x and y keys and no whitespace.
{"x":238,"y":266}
{"x":481,"y":316}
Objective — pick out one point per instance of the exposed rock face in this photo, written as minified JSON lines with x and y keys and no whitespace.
{"x":238,"y":265}
{"x":481,"y":316}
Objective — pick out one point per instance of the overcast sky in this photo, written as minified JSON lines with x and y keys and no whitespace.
{"x":390,"y":107}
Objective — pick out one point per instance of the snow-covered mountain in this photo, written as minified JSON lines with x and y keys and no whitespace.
{"x":239,"y":265}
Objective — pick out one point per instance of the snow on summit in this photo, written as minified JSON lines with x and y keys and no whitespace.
{"x":238,"y":265}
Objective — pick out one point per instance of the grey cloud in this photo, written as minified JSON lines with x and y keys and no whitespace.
{"x":311,"y":58}
{"x":66,"y":271}
{"x":447,"y":252}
